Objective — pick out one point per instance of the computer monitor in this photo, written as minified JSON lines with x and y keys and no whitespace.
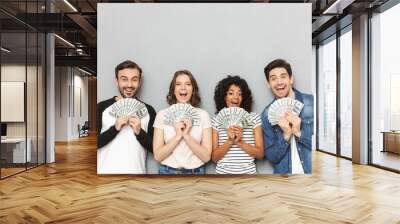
{"x":3,"y":129}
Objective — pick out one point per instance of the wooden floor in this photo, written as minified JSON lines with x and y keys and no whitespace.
{"x":387,"y":159}
{"x":5,"y":172}
{"x":69,"y":191}
{"x":10,"y":171}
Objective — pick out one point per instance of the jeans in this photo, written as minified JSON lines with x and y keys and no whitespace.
{"x":173,"y":171}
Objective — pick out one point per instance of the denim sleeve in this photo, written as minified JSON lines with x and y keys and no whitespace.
{"x":275,"y":146}
{"x":305,"y":142}
{"x":307,"y":124}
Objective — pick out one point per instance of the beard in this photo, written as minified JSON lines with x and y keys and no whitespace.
{"x":121,"y":91}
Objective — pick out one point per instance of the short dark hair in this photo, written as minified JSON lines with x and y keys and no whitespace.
{"x":222,"y":88}
{"x":195,"y":100}
{"x":277,"y":63}
{"x":127,"y":64}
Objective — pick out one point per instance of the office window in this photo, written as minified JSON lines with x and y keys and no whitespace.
{"x":41,"y":79}
{"x":22,"y":92}
{"x":327,"y":96}
{"x":346,"y":93}
{"x":385,"y":88}
{"x":14,"y":153}
{"x":31,"y":99}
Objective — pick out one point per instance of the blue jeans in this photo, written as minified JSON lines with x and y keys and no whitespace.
{"x":173,"y":171}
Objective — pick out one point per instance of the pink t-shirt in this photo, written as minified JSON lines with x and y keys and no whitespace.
{"x":182,"y":156}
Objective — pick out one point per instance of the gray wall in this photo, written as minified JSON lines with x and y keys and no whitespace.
{"x":211,"y":40}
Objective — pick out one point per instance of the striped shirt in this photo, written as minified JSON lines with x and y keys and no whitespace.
{"x":236,"y":160}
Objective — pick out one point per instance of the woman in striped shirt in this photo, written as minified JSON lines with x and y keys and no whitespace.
{"x":234,"y":148}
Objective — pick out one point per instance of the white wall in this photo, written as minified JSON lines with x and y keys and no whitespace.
{"x":61,"y":103}
{"x":68,"y":81}
{"x":80,"y":84}
{"x":211,"y":40}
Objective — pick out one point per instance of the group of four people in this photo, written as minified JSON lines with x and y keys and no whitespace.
{"x":184,"y":148}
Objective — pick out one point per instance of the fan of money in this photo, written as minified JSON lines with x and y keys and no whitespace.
{"x":181,"y":111}
{"x":281,"y":106}
{"x":233,"y":116}
{"x":128,"y":107}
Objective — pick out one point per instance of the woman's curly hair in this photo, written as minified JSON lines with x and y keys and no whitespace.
{"x":222,"y":88}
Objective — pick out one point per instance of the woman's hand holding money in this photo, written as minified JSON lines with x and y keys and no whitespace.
{"x":188,"y":126}
{"x":238,"y":131}
{"x":231,"y":134}
{"x":179,"y":127}
{"x":235,"y":134}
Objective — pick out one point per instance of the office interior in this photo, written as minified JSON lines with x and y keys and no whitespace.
{"x":48,"y":81}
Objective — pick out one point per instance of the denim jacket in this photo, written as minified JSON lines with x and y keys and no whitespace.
{"x":277,"y":150}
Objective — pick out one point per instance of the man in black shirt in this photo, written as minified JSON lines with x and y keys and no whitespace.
{"x":122,"y":142}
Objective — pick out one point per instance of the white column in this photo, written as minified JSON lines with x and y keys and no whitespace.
{"x":50,"y":94}
{"x":360,"y":90}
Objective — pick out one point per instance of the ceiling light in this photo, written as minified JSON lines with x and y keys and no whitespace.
{"x":70,"y":5}
{"x":5,"y":50}
{"x":65,"y":41}
{"x":84,"y":71}
{"x":337,"y":7}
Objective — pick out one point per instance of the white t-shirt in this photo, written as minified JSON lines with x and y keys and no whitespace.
{"x":297,"y":167}
{"x":182,"y":156}
{"x":124,"y":154}
{"x":236,"y":160}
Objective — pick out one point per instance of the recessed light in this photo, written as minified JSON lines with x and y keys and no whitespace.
{"x":5,"y":50}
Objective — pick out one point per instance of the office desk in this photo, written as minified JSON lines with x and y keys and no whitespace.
{"x":16,"y":147}
{"x":391,"y":141}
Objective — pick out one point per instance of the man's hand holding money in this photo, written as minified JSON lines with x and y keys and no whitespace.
{"x":284,"y":124}
{"x":295,"y":122}
{"x":120,"y":122}
{"x":134,"y":122}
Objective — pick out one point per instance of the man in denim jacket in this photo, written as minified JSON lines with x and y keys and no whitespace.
{"x":277,"y":144}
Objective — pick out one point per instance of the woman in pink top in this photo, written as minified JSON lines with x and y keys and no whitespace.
{"x":186,"y":146}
